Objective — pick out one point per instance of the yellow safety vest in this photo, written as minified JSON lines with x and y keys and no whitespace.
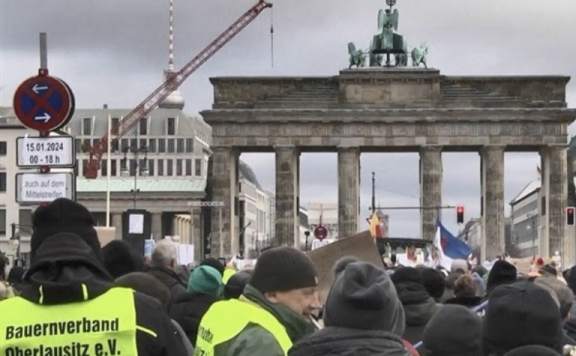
{"x":226,"y":319}
{"x":103,"y":326}
{"x":228,"y":273}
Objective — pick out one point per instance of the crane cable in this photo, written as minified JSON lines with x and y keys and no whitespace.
{"x":272,"y":36}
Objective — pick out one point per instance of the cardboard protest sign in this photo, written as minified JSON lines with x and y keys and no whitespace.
{"x":361,"y":246}
{"x":105,"y":234}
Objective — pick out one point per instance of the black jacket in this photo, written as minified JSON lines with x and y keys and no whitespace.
{"x":188,"y":310}
{"x":349,"y":342}
{"x":570,"y":328}
{"x":171,"y":280}
{"x":61,"y":272}
{"x":419,"y":307}
{"x":468,"y":302}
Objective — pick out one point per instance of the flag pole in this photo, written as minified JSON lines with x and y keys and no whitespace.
{"x":108,"y":167}
{"x":373,"y":192}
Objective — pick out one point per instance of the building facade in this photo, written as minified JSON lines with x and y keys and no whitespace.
{"x":255,"y":214}
{"x":15,"y":219}
{"x":525,"y":222}
{"x":159,"y":165}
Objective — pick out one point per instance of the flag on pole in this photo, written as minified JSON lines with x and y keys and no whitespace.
{"x":438,"y":256}
{"x":451,"y":246}
{"x":375,"y":226}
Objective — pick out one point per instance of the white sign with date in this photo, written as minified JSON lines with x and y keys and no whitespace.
{"x":52,"y":151}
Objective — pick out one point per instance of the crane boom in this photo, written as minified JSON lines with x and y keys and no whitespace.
{"x":172,"y":82}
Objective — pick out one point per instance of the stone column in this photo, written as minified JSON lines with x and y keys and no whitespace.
{"x":196,"y":236}
{"x":156,"y":226}
{"x":224,"y":187}
{"x":348,"y":190}
{"x":117,"y":223}
{"x":287,"y":195}
{"x":430,"y":189}
{"x":492,"y":185}
{"x":553,"y":205}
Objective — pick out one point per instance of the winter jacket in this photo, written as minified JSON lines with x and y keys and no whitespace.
{"x":419,"y":307}
{"x":170,"y":279}
{"x":570,"y":328}
{"x":188,"y":310}
{"x":58,"y":277}
{"x":256,"y":341}
{"x":468,"y":302}
{"x":349,"y":342}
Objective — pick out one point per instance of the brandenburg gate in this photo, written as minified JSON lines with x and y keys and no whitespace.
{"x":391,"y":109}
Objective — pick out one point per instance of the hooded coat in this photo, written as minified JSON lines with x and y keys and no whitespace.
{"x":336,"y":341}
{"x":170,"y":279}
{"x":419,"y":306}
{"x":204,"y":287}
{"x":362,"y":315}
{"x":63,"y":264}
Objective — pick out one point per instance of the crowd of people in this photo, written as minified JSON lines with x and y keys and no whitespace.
{"x":77,"y":298}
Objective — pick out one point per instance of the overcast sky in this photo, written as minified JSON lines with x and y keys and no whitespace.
{"x":113,"y":52}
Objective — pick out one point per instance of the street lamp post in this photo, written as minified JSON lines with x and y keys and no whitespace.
{"x":16,"y":236}
{"x":307,"y":234}
{"x":137,"y":168}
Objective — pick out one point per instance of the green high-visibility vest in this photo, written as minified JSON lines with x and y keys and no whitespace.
{"x":103,"y":326}
{"x":226,"y":319}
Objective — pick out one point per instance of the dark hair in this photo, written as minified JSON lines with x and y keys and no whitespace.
{"x":452,"y":277}
{"x":434,"y":282}
{"x":464,"y":287}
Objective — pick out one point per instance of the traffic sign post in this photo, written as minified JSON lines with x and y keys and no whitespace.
{"x":320,"y":232}
{"x":43,"y":103}
{"x":54,"y":151}
{"x":34,"y":188}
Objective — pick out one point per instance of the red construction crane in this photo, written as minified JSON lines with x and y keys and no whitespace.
{"x":173,"y":81}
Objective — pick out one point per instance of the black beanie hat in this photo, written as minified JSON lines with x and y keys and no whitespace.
{"x":407,"y":274}
{"x":521,"y":314}
{"x":120,"y":258}
{"x":453,"y":331}
{"x":363,"y":297}
{"x":213,"y":262}
{"x":282,"y":269}
{"x":341,"y":263}
{"x":532,"y":350}
{"x":501,"y":273}
{"x":235,"y":285}
{"x":63,"y":215}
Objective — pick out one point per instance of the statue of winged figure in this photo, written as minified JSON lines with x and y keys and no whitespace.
{"x":387,"y":25}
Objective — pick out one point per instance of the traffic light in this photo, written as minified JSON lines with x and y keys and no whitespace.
{"x":570,"y":215}
{"x":460,"y":214}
